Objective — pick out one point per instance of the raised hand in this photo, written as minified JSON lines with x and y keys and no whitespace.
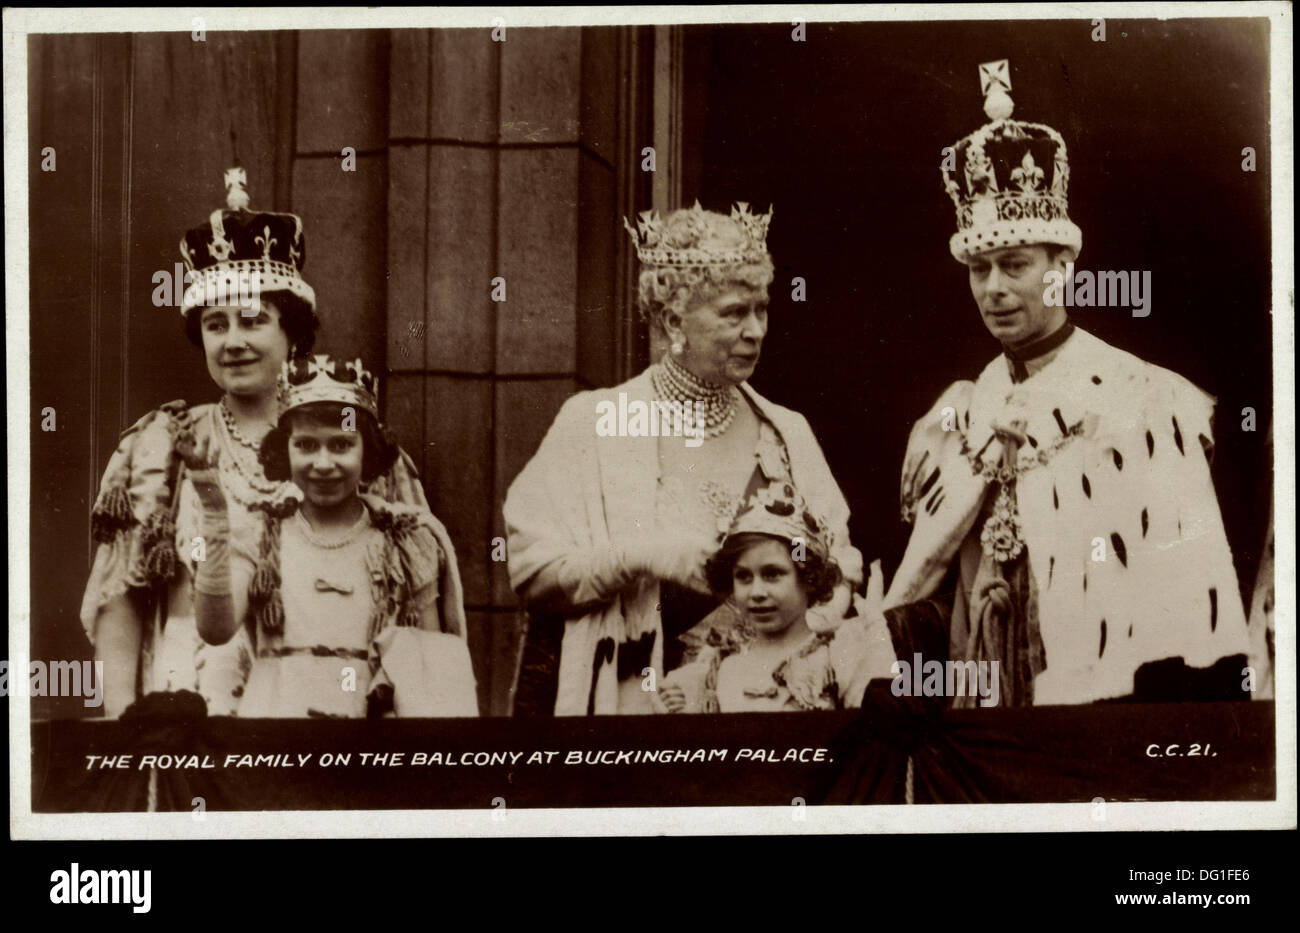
{"x":200,"y":460}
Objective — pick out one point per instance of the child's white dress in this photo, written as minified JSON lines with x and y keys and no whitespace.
{"x":346,"y":630}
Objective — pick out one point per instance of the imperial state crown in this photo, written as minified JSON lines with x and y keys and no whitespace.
{"x":1008,"y":179}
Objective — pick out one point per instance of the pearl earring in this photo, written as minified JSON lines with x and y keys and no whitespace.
{"x":678,"y":347}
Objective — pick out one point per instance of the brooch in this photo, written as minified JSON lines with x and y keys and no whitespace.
{"x":1001,"y":537}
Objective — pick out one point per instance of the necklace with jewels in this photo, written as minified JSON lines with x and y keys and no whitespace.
{"x":1002,"y":536}
{"x":236,"y":435}
{"x":246,"y":481}
{"x":316,"y":539}
{"x":707,"y":409}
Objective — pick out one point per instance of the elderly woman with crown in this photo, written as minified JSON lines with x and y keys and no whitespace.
{"x":1066,"y":488}
{"x":247,"y":307}
{"x":610,"y":529}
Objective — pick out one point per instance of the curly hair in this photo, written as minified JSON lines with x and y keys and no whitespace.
{"x":379,"y":449}
{"x":816,"y":575}
{"x":664,"y":289}
{"x":298,"y":320}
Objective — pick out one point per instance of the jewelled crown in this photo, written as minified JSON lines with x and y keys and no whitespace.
{"x":1009,"y":178}
{"x":321,"y":379}
{"x":692,"y":237}
{"x":256,"y":252}
{"x":778,"y":509}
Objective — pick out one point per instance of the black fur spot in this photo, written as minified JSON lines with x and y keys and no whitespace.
{"x":1151,"y":445}
{"x":1096,"y":380}
{"x":1178,"y":435}
{"x":1119,"y":460}
{"x":1087,"y":486}
{"x":1120,"y":551}
{"x":933,"y":503}
{"x":1102,"y":649}
{"x":1060,"y":422}
{"x":1145,"y":523}
{"x":1214,"y":608}
{"x":1051,"y":565}
{"x":929,"y":481}
{"x":1032,"y":441}
{"x":1056,"y":502}
{"x":1130,"y":631}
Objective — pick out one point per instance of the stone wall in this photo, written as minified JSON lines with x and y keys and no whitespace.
{"x":476,"y":160}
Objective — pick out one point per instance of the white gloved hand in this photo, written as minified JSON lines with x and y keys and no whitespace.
{"x":679,"y":558}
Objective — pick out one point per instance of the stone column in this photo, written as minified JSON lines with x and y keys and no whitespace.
{"x":502,"y":161}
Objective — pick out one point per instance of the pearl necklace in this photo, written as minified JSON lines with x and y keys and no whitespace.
{"x":315,"y":539}
{"x":714,"y":405}
{"x":228,"y":417}
{"x":246,"y":483}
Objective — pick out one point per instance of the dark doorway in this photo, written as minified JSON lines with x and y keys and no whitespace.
{"x":843,"y":133}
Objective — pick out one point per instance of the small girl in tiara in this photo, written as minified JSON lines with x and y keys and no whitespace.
{"x":353,"y":603}
{"x":772,"y":566}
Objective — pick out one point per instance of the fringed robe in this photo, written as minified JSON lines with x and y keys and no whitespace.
{"x":144,"y":521}
{"x":415,"y":635}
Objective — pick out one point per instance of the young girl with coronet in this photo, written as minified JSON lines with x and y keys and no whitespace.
{"x":354,"y":604}
{"x":772,"y":566}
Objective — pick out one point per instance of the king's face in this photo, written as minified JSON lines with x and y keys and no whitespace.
{"x":1008,"y":286}
{"x":244,"y":347}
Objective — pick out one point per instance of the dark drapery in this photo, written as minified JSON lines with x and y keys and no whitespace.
{"x":1175,"y":751}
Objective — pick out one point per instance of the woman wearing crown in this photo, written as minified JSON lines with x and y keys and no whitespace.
{"x":353,"y":603}
{"x":609,"y":530}
{"x":248,"y":309}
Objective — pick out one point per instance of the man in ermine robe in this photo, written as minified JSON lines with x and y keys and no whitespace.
{"x":1068,"y":483}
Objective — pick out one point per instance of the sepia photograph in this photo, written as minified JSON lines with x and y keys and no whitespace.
{"x":555,"y":421}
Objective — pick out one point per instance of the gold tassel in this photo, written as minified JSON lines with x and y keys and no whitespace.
{"x":159,"y":540}
{"x":410,"y":617}
{"x":111,"y":514}
{"x":265,"y":582}
{"x":271,"y":615}
{"x":264,"y":588}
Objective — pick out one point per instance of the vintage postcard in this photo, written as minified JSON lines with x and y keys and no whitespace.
{"x":605,"y":421}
